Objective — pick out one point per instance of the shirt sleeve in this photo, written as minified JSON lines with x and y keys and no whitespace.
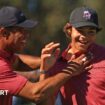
{"x":9,"y":80}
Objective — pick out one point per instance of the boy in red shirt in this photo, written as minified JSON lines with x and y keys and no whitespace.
{"x":87,"y":88}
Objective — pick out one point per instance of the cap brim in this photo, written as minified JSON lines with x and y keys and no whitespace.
{"x":82,"y":24}
{"x":28,"y":24}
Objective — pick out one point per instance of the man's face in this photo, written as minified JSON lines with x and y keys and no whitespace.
{"x":17,"y":38}
{"x":82,"y":38}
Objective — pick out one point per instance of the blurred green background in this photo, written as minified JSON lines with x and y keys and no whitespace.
{"x":52,"y":15}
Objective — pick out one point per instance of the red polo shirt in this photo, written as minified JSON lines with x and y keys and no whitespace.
{"x":9,"y":80}
{"x":87,"y":88}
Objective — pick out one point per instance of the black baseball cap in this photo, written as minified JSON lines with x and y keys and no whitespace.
{"x":84,"y":16}
{"x":12,"y":16}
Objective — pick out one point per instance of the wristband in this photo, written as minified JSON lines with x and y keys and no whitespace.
{"x":42,"y":71}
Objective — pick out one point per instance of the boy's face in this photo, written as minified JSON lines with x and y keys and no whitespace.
{"x":82,"y":38}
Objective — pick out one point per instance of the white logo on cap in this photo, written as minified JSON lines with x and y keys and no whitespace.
{"x":87,"y":15}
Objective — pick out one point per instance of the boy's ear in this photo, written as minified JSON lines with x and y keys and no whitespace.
{"x":68,"y":34}
{"x":67,"y":29}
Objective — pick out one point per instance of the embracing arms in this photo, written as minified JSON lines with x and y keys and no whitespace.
{"x":42,"y":90}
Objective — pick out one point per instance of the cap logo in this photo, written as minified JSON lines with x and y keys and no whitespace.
{"x":87,"y":15}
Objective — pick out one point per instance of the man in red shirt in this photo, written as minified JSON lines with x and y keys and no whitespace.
{"x":87,"y":88}
{"x":13,"y":35}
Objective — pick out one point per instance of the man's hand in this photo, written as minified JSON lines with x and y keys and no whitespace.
{"x":78,"y":65}
{"x":49,"y":55}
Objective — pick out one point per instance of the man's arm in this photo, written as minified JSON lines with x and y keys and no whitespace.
{"x":41,"y":91}
{"x":30,"y":75}
{"x":26,"y":62}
